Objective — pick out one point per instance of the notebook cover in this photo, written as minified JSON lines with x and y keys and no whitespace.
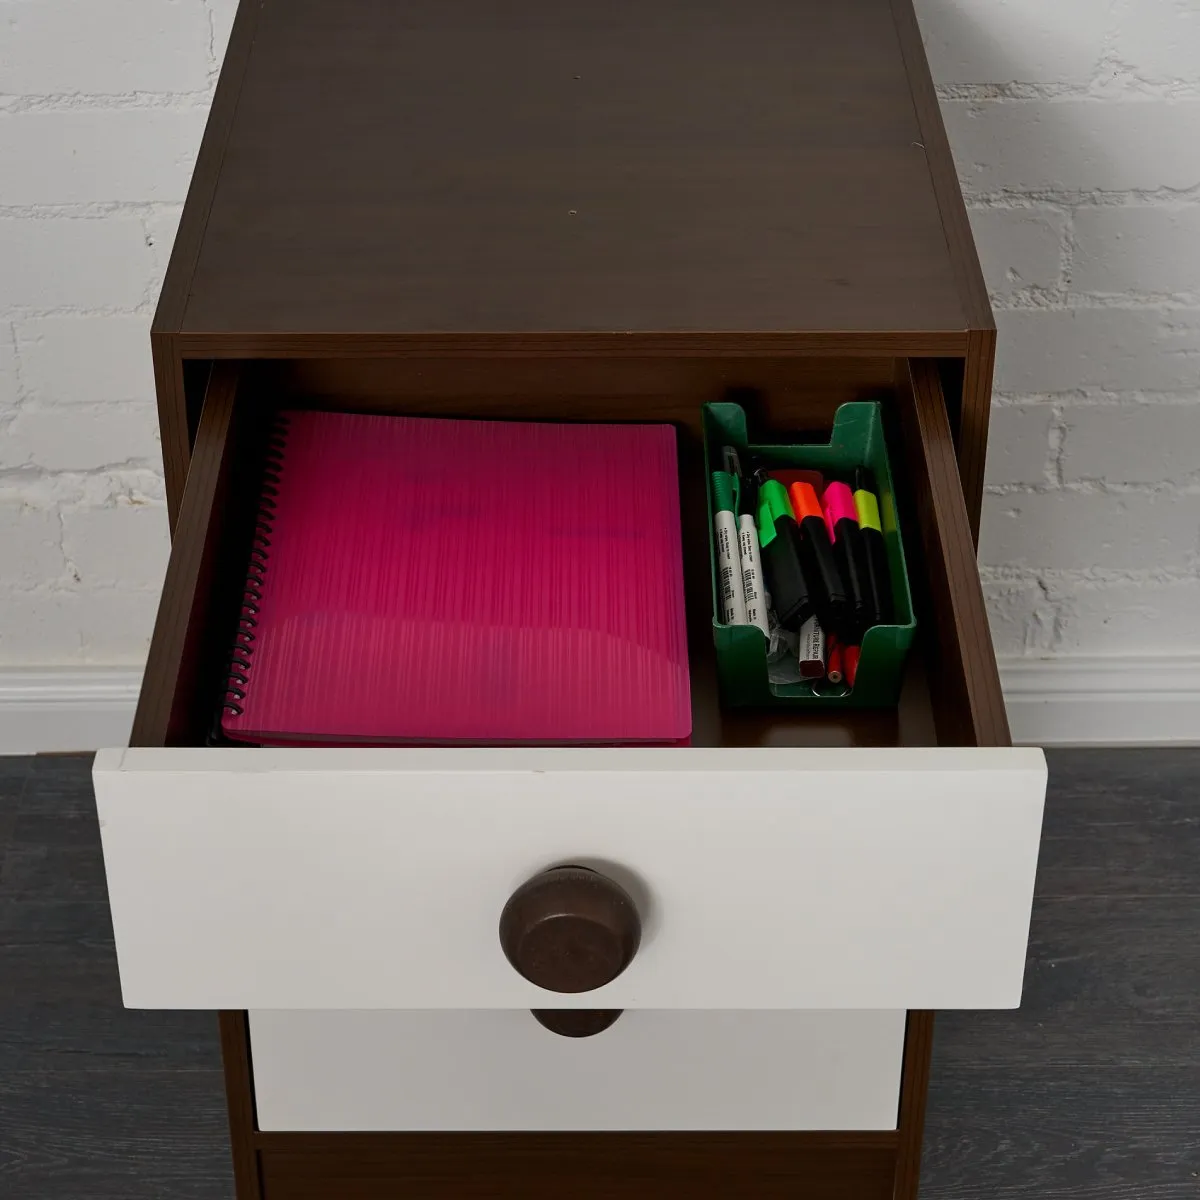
{"x":428,"y":580}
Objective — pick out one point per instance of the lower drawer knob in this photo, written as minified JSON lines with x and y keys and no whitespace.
{"x":570,"y":929}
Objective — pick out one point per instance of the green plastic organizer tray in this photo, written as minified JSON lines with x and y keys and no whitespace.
{"x":856,"y":440}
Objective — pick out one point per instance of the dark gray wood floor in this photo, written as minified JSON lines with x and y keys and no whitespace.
{"x":1090,"y":1092}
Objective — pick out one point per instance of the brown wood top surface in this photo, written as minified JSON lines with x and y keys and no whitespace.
{"x":456,"y":166}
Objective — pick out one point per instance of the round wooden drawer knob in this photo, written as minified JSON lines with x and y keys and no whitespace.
{"x":570,"y":929}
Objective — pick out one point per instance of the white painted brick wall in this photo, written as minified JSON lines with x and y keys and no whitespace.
{"x":1137,"y":248}
{"x":68,"y":47}
{"x":85,"y":358}
{"x":995,"y":41}
{"x":1071,"y":146}
{"x":72,"y":155}
{"x":1151,"y":443}
{"x":1076,"y":128}
{"x":102,"y":103}
{"x":1085,"y":529}
{"x":1020,"y":248}
{"x":1019,"y":444}
{"x":1054,"y":350}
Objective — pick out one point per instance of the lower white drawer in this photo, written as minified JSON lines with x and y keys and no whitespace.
{"x":500,"y":1070}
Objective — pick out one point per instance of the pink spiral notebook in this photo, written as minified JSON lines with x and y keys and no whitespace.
{"x":427,"y":580}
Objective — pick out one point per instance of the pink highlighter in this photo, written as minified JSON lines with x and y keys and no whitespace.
{"x":849,"y":548}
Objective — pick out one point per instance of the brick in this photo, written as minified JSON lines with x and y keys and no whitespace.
{"x":1121,"y":349}
{"x":1159,"y":39}
{"x":1081,"y":530}
{"x":40,"y":628}
{"x":1019,"y":616}
{"x":1018,"y":247}
{"x":1018,"y":444}
{"x":90,"y":156}
{"x":81,"y":360}
{"x":102,"y":263}
{"x":120,"y":46}
{"x":161,"y":227}
{"x":1129,"y":617}
{"x":115,"y":626}
{"x":1139,"y":443}
{"x":58,"y":628}
{"x":75,"y":439}
{"x":1074,"y":145}
{"x":222,"y":14}
{"x":125,"y":546}
{"x":9,"y":388}
{"x":1137,"y":248}
{"x":1005,"y":41}
{"x":30,"y":546}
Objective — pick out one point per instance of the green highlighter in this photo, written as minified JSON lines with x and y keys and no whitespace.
{"x":779,"y":536}
{"x":773,"y":503}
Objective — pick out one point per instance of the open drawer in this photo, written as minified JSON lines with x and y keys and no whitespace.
{"x":786,"y":859}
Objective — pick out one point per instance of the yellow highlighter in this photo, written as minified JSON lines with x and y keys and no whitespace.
{"x":879,"y":588}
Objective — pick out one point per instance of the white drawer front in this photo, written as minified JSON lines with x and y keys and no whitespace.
{"x":375,"y":878}
{"x":500,"y":1070}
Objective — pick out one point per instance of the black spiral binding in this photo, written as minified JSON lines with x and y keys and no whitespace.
{"x":242,"y":659}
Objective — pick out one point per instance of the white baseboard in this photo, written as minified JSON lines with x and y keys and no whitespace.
{"x":1102,"y":700}
{"x":73,"y":708}
{"x":1051,"y":702}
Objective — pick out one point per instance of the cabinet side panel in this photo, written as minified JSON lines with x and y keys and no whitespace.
{"x":969,"y":420}
{"x":173,"y":416}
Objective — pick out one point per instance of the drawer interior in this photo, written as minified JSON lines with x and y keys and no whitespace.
{"x":951,"y":692}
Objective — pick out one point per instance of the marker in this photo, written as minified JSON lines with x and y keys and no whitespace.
{"x":818,"y":562}
{"x":753,"y":587}
{"x":779,"y":536}
{"x":753,"y":591}
{"x":841,"y":518}
{"x":789,"y":476}
{"x":833,"y":664}
{"x":811,"y":650}
{"x":867,"y":507}
{"x":730,"y":596}
{"x":850,"y":656}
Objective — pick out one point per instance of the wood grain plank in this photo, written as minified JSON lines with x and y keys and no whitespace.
{"x":964,"y":261}
{"x":963,"y":661}
{"x":588,"y":1166}
{"x":969,"y":415}
{"x":172,"y":663}
{"x":1121,"y":825}
{"x":548,"y":344}
{"x":189,"y":238}
{"x":1090,"y":1134}
{"x":616,"y":170}
{"x":914,"y":1089}
{"x":975,"y":417}
{"x":239,"y":1095}
{"x":69,"y":1135}
{"x":1109,"y":981}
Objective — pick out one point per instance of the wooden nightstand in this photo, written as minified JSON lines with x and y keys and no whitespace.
{"x":571,"y":211}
